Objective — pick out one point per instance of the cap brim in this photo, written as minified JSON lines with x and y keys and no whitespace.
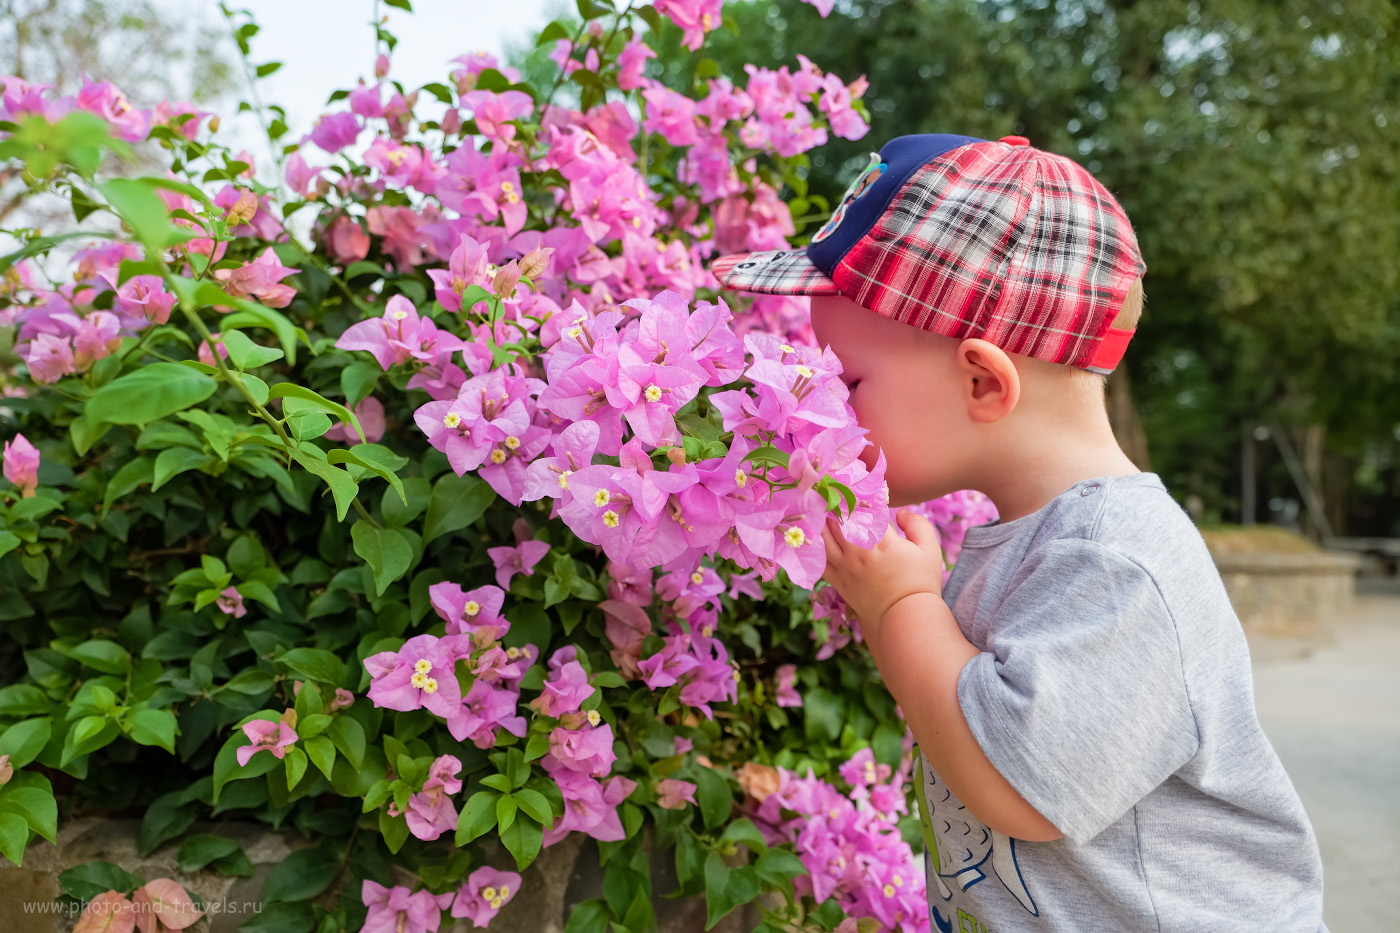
{"x":777,"y":272}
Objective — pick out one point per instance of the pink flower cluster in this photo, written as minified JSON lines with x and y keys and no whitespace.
{"x":422,"y":673}
{"x":953,"y":515}
{"x":849,"y":841}
{"x":399,"y":910}
{"x":430,"y":811}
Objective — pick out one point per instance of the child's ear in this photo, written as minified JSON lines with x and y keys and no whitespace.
{"x":991,"y":385}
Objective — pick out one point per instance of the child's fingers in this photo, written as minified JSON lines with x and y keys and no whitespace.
{"x":917,"y":528}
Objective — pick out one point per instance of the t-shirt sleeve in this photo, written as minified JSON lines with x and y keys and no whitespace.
{"x":1079,"y":699}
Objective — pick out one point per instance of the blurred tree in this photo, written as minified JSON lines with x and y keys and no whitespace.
{"x":151,"y":51}
{"x":1252,"y":141}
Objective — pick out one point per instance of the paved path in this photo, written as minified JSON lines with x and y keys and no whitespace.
{"x":1333,"y":713}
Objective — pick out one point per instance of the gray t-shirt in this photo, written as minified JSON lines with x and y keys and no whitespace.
{"x":1114,"y":692}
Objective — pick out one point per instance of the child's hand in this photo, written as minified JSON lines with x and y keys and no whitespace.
{"x":871,"y":581}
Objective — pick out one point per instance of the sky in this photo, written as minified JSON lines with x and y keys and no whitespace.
{"x":328,"y":44}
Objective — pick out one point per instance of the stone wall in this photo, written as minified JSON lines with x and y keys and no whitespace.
{"x":1290,"y":595}
{"x":563,"y":876}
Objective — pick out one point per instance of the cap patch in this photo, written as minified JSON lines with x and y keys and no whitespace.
{"x":859,"y":187}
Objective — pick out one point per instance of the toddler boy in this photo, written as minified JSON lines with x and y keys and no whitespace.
{"x":1090,"y":757}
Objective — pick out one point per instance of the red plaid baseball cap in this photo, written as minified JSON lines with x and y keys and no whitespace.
{"x":966,"y":237}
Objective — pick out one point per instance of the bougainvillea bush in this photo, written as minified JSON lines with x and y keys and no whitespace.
{"x":420,"y":493}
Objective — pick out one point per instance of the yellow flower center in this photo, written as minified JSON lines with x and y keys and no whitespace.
{"x":498,"y":456}
{"x":898,"y":881}
{"x":889,"y":890}
{"x":573,"y":331}
{"x":422,"y":666}
{"x":513,"y":442}
{"x":398,"y":315}
{"x":418,"y":680}
{"x":602,"y":497}
{"x":636,"y":223}
{"x":610,"y":518}
{"x":653,"y":393}
{"x":787,"y":349}
{"x":452,"y":419}
{"x":497,"y":903}
{"x":564,"y":479}
{"x":512,"y":653}
{"x":472,"y":607}
{"x":594,"y":717}
{"x":697,"y":577}
{"x":396,"y":157}
{"x":835,"y":813}
{"x":505,"y":890}
{"x":705,"y":20}
{"x":489,"y":893}
{"x":805,"y":372}
{"x":507,"y":186}
{"x":741,"y":478}
{"x":431,"y":685}
{"x":795,"y":537}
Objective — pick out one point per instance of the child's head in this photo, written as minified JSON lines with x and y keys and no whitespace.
{"x":996,"y":274}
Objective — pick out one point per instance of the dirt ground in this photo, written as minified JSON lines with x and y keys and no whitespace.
{"x":1332,"y":710}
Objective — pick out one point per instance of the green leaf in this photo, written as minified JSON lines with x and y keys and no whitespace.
{"x":478,"y":817}
{"x":321,"y":751}
{"x":244,"y":352}
{"x":717,"y":901}
{"x":342,"y":486}
{"x":523,"y":840}
{"x":132,"y":474}
{"x":175,"y":460}
{"x":22,"y":700}
{"x":591,"y":916}
{"x":292,"y":390}
{"x":153,"y":727}
{"x":149,"y":393}
{"x":8,"y":542}
{"x":823,"y":715}
{"x":294,"y":762}
{"x":315,"y":663}
{"x":778,"y":867}
{"x":394,"y":829}
{"x":90,"y":879}
{"x":457,"y":502}
{"x":714,"y":797}
{"x":379,"y":460}
{"x":24,"y":740}
{"x":358,"y":380}
{"x":135,"y":201}
{"x":743,"y":832}
{"x":349,"y":737}
{"x":281,"y":918}
{"x":386,"y":551}
{"x":101,"y":655}
{"x":166,"y":818}
{"x":535,"y":804}
{"x":267,"y":68}
{"x":14,"y":836}
{"x":300,"y":876}
{"x":199,"y":850}
{"x":251,"y":682}
{"x":506,"y":809}
{"x":34,"y":804}
{"x":400,"y":4}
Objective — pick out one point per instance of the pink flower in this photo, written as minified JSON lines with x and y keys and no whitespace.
{"x":512,"y":560}
{"x":421,"y":674}
{"x":466,"y":266}
{"x":108,"y":912}
{"x":696,"y":17}
{"x":50,"y":358}
{"x":494,"y":112}
{"x":103,"y":98}
{"x":589,"y":806}
{"x":466,"y":612}
{"x":206,"y":356}
{"x":488,"y":706}
{"x":334,"y":131}
{"x":395,"y":910}
{"x":261,"y":279}
{"x":347,"y":240}
{"x":370,"y":411}
{"x":564,"y":693}
{"x":670,"y":114}
{"x":300,"y":177}
{"x":343,"y":699}
{"x":400,"y":336}
{"x":824,"y":7}
{"x":99,"y":335}
{"x":787,"y":686}
{"x":230,"y":601}
{"x":430,"y":813}
{"x":674,"y":795}
{"x":162,"y":905}
{"x":272,"y":736}
{"x":485,"y":892}
{"x":22,"y":465}
{"x":631,"y":63}
{"x":588,"y":750}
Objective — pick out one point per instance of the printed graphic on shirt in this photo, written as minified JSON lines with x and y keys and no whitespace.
{"x":868,"y":177}
{"x":962,"y":852}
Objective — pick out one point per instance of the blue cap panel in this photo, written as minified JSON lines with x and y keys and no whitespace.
{"x":867,"y":200}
